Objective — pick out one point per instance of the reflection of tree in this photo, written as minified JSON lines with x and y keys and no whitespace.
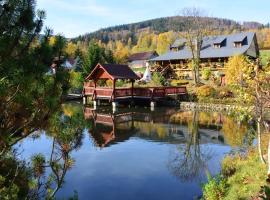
{"x":67,"y":134}
{"x":189,"y":161}
{"x":233,"y":132}
{"x":45,"y":176}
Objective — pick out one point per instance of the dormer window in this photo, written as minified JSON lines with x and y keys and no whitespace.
{"x":174,"y":49}
{"x":219,"y":42}
{"x":178,"y":45}
{"x":237,"y":44}
{"x":217,"y":46}
{"x":239,"y":41}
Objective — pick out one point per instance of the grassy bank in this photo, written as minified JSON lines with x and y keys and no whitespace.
{"x":243,"y":176}
{"x":265,"y":56}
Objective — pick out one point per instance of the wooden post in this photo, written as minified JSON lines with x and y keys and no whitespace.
{"x":132,"y":87}
{"x":114,"y":80}
{"x":94,"y":93}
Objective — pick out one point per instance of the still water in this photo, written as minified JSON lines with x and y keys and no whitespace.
{"x":134,"y":153}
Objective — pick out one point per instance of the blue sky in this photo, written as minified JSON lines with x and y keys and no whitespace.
{"x":75,"y":17}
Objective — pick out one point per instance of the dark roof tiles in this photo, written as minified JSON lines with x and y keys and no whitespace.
{"x":209,"y":51}
{"x":142,"y":56}
{"x":116,"y":71}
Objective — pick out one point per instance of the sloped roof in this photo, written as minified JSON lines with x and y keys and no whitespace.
{"x":219,"y":39}
{"x":239,"y":37}
{"x":115,"y":71}
{"x":209,"y":51}
{"x":178,"y":43}
{"x":142,"y":56}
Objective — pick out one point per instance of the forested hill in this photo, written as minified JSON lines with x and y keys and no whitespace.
{"x":160,"y":25}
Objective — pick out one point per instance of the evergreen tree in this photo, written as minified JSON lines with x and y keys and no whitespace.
{"x":108,"y":54}
{"x":92,"y":59}
{"x":95,"y":55}
{"x":79,"y":60}
{"x":25,"y":86}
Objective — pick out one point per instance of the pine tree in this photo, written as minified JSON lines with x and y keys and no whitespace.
{"x":79,"y":60}
{"x":24,"y":63}
{"x":92,"y":59}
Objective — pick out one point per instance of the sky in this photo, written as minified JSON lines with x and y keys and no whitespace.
{"x":77,"y":17}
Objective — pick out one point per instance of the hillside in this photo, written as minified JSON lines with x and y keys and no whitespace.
{"x":160,"y":25}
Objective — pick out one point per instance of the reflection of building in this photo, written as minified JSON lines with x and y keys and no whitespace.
{"x":157,"y":126}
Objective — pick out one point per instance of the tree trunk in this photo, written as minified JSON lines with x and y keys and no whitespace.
{"x":259,"y":140}
{"x":268,"y":158}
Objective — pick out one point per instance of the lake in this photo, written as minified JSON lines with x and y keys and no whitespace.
{"x":133,"y":153}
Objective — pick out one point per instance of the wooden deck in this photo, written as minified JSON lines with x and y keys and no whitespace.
{"x":152,"y":93}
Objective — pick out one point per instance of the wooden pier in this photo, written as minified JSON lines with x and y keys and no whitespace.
{"x":115,"y":95}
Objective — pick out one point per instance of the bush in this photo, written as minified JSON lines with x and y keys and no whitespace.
{"x":76,"y":81}
{"x":228,"y":166}
{"x":224,"y":92}
{"x":215,"y":188}
{"x":205,"y":92}
{"x":158,"y":79}
{"x":109,"y":83}
{"x":179,"y":82}
{"x":120,"y":83}
{"x":206,"y":73}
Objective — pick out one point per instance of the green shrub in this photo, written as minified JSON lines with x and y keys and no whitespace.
{"x":158,"y":79}
{"x":119,"y":83}
{"x":76,"y":81}
{"x":228,"y":166}
{"x":215,"y":188}
{"x":205,"y":92}
{"x":206,"y":73}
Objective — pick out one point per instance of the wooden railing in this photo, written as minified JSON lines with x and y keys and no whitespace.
{"x":123,"y":92}
{"x":147,"y":92}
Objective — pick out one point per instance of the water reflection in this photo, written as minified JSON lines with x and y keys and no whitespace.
{"x":189,"y":162}
{"x":182,"y":144}
{"x":169,"y":125}
{"x":43,"y":175}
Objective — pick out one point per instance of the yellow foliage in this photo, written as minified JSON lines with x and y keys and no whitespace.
{"x":164,"y":40}
{"x":121,"y":52}
{"x":205,"y":91}
{"x":52,"y":40}
{"x":70,"y":49}
{"x":238,"y":70}
{"x":233,"y":132}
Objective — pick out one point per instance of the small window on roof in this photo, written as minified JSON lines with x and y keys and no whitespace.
{"x":240,"y":40}
{"x":237,"y":44}
{"x":219,"y":42}
{"x":217,"y":46}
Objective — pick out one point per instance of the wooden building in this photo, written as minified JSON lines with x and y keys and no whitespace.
{"x":215,"y":51}
{"x":114,"y":72}
{"x":140,"y":60}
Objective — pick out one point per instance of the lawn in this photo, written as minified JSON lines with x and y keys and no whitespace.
{"x":265,"y":56}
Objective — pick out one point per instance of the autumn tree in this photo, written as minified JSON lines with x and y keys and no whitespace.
{"x":121,"y":52}
{"x":196,"y":27}
{"x":70,"y":49}
{"x":238,"y":70}
{"x":164,"y":40}
{"x":252,"y":85}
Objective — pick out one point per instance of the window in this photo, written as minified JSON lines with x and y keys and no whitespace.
{"x":217,"y":46}
{"x":237,"y":44}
